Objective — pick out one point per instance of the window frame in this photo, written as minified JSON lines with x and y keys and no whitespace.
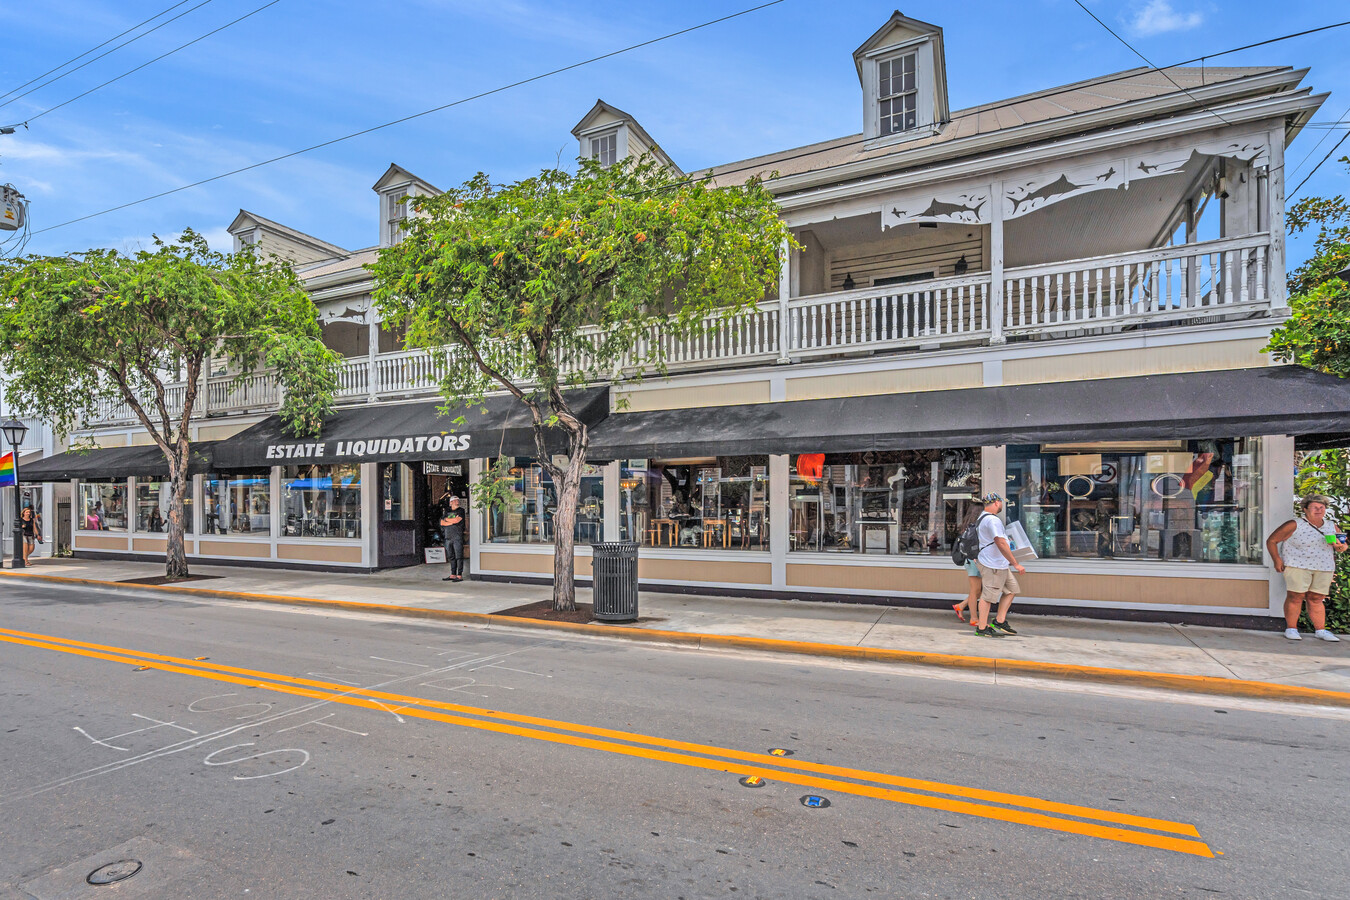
{"x":925,"y":114}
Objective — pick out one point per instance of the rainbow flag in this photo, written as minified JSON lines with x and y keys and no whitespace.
{"x":7,"y":470}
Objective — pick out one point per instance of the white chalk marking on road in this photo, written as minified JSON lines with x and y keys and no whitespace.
{"x":241,"y":759}
{"x":320,"y":721}
{"x":158,"y":722}
{"x":509,"y":669}
{"x":402,"y":662}
{"x":97,"y":741}
{"x":267,"y":707}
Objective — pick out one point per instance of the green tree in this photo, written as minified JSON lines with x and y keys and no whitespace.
{"x":560,"y":280}
{"x":101,"y":327}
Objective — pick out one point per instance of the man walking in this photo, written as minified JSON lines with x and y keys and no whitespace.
{"x":452,"y":527}
{"x":1305,"y":551}
{"x":996,"y":564}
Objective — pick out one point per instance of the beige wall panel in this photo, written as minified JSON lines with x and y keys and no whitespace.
{"x":526,"y":563}
{"x":141,"y":439}
{"x":891,"y":381}
{"x":236,"y":548}
{"x":99,"y":542}
{"x":110,"y":440}
{"x":319,"y":553}
{"x":734,"y":394}
{"x":949,"y":580}
{"x":220,"y":432}
{"x":149,"y":545}
{"x":1146,"y":361}
{"x":695,"y":569}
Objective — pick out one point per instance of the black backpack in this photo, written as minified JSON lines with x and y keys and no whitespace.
{"x":967,"y":546}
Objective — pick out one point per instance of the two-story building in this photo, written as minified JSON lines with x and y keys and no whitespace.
{"x":1062,"y":297}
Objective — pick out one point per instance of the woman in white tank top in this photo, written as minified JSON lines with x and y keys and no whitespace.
{"x":1305,"y":551}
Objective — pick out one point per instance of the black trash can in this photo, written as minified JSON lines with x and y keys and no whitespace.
{"x":615,"y":581}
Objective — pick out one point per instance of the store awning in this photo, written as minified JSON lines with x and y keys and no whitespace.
{"x":403,"y":432}
{"x":1197,"y":405}
{"x":113,"y":463}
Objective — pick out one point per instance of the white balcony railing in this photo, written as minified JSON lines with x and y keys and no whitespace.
{"x":1190,"y":282}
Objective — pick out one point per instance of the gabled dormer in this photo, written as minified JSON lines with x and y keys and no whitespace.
{"x":268,"y":238}
{"x":609,"y":134}
{"x":904,"y":81}
{"x":394,"y":185}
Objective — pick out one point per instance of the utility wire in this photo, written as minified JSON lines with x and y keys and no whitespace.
{"x":101,"y":55}
{"x":1321,"y":140}
{"x":1146,"y":59}
{"x":144,"y":64}
{"x":408,"y":118}
{"x":1316,"y":167}
{"x":92,"y":49}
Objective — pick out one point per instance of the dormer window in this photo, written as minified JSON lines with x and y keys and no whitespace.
{"x":605,"y":148}
{"x":898,"y":93}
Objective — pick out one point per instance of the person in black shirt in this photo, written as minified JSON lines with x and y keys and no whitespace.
{"x":452,"y":527}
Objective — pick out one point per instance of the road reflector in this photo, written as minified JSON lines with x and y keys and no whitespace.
{"x":812,"y":801}
{"x":753,"y":781}
{"x":779,"y":751}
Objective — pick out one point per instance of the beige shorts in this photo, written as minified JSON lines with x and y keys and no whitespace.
{"x":1302,"y":581}
{"x":997,"y":582}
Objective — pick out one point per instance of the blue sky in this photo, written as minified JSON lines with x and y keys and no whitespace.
{"x":303,"y":71}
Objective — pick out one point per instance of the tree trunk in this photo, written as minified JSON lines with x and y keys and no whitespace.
{"x":175,"y":560}
{"x":564,"y":527}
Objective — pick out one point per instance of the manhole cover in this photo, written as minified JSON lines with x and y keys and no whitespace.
{"x":114,"y":872}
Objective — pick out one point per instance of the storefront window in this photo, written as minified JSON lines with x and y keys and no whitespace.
{"x":896,"y":502}
{"x":103,"y":506}
{"x":321,"y":501}
{"x":526,"y":516}
{"x":237,"y":503}
{"x":718,"y":502}
{"x":1194,"y":501}
{"x":153,"y":499}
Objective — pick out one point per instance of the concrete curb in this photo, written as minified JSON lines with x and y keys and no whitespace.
{"x":1196,"y":684}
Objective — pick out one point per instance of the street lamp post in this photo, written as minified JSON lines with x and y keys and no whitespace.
{"x":15,"y":431}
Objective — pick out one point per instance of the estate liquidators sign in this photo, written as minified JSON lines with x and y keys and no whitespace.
{"x":370,"y":450}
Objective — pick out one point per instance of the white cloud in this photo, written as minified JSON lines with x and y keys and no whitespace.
{"x":1158,"y":17}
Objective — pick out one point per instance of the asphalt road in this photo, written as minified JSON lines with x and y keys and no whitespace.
{"x":261,"y":751}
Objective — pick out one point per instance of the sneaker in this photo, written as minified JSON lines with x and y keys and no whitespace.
{"x":1003,"y":627}
{"x":1326,"y":636}
{"x":986,"y":632}
{"x":1292,"y":634}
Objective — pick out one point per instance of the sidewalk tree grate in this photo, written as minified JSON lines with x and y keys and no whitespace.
{"x":114,"y":872}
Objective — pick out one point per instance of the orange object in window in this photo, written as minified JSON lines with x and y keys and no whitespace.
{"x":810,"y":465}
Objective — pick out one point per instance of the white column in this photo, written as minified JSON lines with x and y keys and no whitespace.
{"x":372,"y":513}
{"x":784,"y":294}
{"x":475,"y":517}
{"x":1277,"y":503}
{"x":996,"y":263}
{"x":778,"y":520}
{"x":612,"y":503}
{"x":372,"y":389}
{"x":1275,"y":289}
{"x":274,"y":485}
{"x":994,"y":470}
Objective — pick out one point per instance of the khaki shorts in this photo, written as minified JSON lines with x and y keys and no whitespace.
{"x":1302,"y":581}
{"x":997,"y":582}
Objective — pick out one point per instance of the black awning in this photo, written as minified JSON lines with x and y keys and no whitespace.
{"x":404,"y":432}
{"x":1196,"y":405}
{"x":114,"y":463}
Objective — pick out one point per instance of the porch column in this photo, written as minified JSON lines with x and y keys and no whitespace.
{"x":784,"y":294}
{"x":611,"y":485}
{"x":1275,"y":288}
{"x":996,"y":264}
{"x":1191,"y":262}
{"x":373,"y":323}
{"x":474,"y":519}
{"x":372,"y":514}
{"x":779,"y":520}
{"x":1277,"y":479}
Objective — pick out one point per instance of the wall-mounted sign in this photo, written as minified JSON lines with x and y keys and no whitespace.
{"x":423,"y":443}
{"x":431,"y":468}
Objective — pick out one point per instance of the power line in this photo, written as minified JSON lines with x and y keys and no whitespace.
{"x":1316,"y":167}
{"x":101,"y":55}
{"x":92,"y":49}
{"x":1334,"y":125}
{"x":408,"y":118}
{"x":149,"y":62}
{"x":1150,"y":64}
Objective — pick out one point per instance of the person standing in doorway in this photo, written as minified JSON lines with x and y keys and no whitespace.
{"x":32,"y":531}
{"x":1305,"y":551}
{"x":452,"y":527}
{"x":996,"y":564}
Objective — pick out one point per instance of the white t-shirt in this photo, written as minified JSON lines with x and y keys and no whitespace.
{"x":991,"y":527}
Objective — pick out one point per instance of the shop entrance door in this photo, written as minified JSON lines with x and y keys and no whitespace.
{"x":441,"y":480}
{"x":402,"y":500}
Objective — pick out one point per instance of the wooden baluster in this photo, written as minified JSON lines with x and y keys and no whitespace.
{"x":1243,"y":289}
{"x":1228,"y":258}
{"x":947,"y":297}
{"x":1260,"y":283}
{"x":1215,"y":272}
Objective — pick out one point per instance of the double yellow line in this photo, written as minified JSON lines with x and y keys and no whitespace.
{"x":1105,"y":824}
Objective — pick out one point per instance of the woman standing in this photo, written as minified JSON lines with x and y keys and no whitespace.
{"x":32,"y":528}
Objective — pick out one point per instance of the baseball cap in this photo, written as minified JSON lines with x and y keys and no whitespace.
{"x":990,"y":497}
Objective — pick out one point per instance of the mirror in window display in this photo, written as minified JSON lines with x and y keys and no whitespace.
{"x":893,"y":502}
{"x":321,"y":501}
{"x":1192,"y":501}
{"x":153,"y":499}
{"x":526,"y":514}
{"x":237,"y":503}
{"x":103,"y":506}
{"x":717,"y":502}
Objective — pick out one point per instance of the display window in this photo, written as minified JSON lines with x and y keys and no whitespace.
{"x":717,"y":502}
{"x":103,"y":506}
{"x":321,"y":501}
{"x":1182,"y":501}
{"x":153,"y":499}
{"x":886,"y":503}
{"x":237,"y":503}
{"x":529,"y":501}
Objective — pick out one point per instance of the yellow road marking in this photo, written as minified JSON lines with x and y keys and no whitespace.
{"x":731,"y":762}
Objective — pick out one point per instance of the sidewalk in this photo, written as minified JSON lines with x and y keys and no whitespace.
{"x":1179,"y":657}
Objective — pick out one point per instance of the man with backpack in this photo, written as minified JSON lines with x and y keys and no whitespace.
{"x":996,"y":565}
